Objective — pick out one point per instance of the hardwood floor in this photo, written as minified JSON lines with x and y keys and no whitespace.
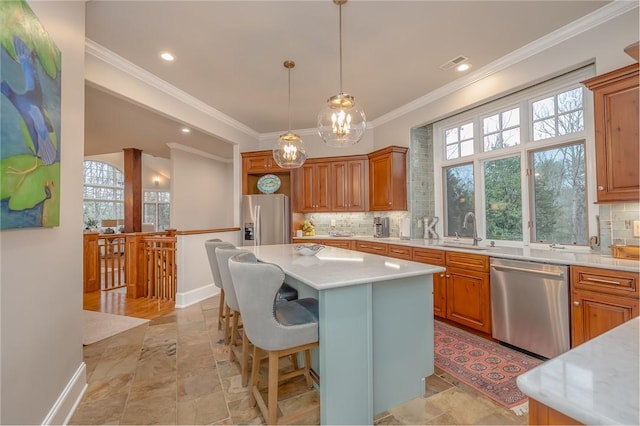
{"x":116,"y":302}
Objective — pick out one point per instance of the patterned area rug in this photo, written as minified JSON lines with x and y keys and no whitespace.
{"x":99,"y":326}
{"x":486,"y":366}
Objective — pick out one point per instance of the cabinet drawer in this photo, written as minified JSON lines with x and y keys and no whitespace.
{"x":368,"y":247}
{"x":343,"y":244}
{"x":433,"y":257}
{"x":474,"y":262}
{"x":605,"y":280}
{"x":400,"y":252}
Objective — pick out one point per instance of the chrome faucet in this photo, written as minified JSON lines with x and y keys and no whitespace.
{"x":475,"y":232}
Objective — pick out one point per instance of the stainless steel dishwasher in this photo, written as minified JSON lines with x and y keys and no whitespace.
{"x":530,"y":305}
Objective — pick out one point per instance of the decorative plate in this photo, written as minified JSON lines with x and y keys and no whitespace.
{"x":268,"y":184}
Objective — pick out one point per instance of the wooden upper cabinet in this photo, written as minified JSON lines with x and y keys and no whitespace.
{"x":313,"y":186}
{"x":259,"y":163}
{"x":388,"y":179}
{"x":349,"y":185}
{"x":616,"y":124}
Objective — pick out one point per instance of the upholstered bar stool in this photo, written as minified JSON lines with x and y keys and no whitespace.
{"x":279,"y":329}
{"x":223,"y":253}
{"x":211,"y":245}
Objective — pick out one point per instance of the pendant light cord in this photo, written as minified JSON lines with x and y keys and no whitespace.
{"x":340,"y":23}
{"x":289,"y":69}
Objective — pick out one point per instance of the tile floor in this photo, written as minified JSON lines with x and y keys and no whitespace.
{"x":175,"y":370}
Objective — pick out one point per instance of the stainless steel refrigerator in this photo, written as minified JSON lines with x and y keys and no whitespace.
{"x":266,"y":219}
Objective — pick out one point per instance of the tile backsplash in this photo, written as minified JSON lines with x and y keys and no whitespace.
{"x":616,"y":225}
{"x":360,"y":224}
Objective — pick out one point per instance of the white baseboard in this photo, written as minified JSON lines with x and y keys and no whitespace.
{"x":65,"y":406}
{"x":197,"y":295}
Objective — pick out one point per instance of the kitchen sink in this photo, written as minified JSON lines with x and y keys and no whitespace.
{"x":463,"y":246}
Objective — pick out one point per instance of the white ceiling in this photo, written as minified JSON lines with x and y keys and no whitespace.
{"x":229,"y":55}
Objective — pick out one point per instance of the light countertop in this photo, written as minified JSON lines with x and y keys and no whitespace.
{"x":595,"y":383}
{"x":334,"y":267}
{"x":565,"y":256}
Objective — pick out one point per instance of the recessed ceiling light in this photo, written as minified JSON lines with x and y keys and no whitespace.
{"x":463,"y":67}
{"x":167,"y":56}
{"x":186,"y":130}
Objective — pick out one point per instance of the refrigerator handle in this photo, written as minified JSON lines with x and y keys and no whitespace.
{"x":258,"y":225}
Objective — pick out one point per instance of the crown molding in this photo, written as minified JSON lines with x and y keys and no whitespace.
{"x":100,"y":52}
{"x":185,"y":148}
{"x":587,"y":22}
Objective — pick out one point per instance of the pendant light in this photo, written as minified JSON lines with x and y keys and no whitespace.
{"x":341,"y":123}
{"x":289,"y":150}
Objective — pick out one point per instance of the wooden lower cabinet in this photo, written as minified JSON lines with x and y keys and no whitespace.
{"x":435,"y":257}
{"x":541,"y":414}
{"x":468,"y":298}
{"x":601,"y":299}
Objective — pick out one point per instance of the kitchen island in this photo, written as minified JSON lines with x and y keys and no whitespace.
{"x":375,"y":330}
{"x":596,"y":383}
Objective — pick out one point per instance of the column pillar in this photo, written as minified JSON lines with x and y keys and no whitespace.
{"x":132,"y":190}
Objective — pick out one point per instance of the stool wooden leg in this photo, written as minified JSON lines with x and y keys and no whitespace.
{"x":221,"y":306}
{"x":234,"y":329}
{"x":255,"y":375}
{"x":307,"y":367}
{"x":244,"y":365}
{"x":273,"y":387}
{"x":227,"y":324}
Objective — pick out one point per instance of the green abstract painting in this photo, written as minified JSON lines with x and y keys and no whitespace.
{"x":30,"y":65}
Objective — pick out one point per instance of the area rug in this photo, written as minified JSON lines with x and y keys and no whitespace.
{"x":488,"y":367}
{"x":98,"y":326}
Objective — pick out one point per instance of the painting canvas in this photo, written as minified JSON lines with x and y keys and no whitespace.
{"x":30,"y":65}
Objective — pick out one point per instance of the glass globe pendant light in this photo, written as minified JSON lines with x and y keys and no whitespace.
{"x":289,"y":150}
{"x":341,"y":123}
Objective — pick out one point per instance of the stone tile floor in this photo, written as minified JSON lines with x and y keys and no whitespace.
{"x":175,"y":370}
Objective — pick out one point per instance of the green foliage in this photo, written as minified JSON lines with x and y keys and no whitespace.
{"x":503,"y":197}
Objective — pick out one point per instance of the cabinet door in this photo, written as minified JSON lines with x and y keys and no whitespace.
{"x":380,"y":183}
{"x":595,"y":313}
{"x":435,"y":257}
{"x":388,"y":179}
{"x":617,"y":143}
{"x":399,"y":251}
{"x":314,"y":188}
{"x":468,"y":300}
{"x":348,"y":180}
{"x":440,"y":295}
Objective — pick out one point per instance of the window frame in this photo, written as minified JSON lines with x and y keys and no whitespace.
{"x":113,"y":201}
{"x":523,"y":99}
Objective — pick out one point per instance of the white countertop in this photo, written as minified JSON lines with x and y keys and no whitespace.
{"x":595,"y":383}
{"x":565,"y":256}
{"x":334,"y":267}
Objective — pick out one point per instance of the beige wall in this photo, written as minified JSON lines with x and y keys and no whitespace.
{"x":41,"y":269}
{"x":202,"y":191}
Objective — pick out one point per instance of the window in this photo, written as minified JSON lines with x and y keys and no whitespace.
{"x":103,"y":193}
{"x":523,"y":172}
{"x":560,"y":210}
{"x":156,"y":209}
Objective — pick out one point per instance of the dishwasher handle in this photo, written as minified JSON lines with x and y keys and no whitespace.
{"x":533,"y":271}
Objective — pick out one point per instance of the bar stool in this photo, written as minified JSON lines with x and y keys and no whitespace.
{"x":279,"y":329}
{"x":223,"y":253}
{"x":210,"y":246}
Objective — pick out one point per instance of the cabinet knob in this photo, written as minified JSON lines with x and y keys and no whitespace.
{"x":448,"y":276}
{"x":576,"y":303}
{"x":600,"y":188}
{"x":389,"y":202}
{"x":441,"y":275}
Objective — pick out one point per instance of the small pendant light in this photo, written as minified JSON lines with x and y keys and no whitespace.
{"x":341,"y":123}
{"x":289,"y":150}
